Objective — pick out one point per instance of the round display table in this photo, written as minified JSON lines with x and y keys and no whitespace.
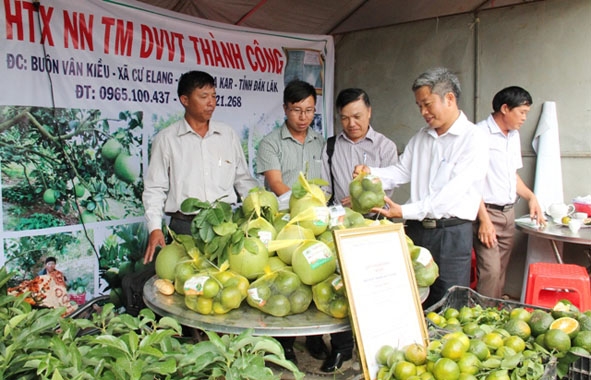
{"x":310,"y":322}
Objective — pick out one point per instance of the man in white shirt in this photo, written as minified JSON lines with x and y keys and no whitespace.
{"x":495,"y":227}
{"x":194,"y":157}
{"x":445,"y":163}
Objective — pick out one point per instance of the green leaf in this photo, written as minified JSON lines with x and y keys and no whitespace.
{"x":215,"y":216}
{"x":192,"y":205}
{"x":165,"y":367}
{"x":206,"y":233}
{"x":251,"y":246}
{"x":226,"y":228}
{"x":113,"y":342}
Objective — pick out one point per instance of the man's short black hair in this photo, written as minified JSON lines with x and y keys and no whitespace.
{"x":350,"y":95}
{"x":191,"y":80}
{"x":513,"y":96}
{"x":298,"y":90}
{"x":50,"y":259}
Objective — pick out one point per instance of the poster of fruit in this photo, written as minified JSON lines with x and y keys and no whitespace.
{"x":87,"y":87}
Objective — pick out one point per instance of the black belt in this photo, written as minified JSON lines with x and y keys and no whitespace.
{"x":179,"y":215}
{"x":429,"y":224}
{"x":503,"y":208}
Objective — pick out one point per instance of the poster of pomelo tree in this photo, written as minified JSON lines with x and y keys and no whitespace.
{"x":88,"y":84}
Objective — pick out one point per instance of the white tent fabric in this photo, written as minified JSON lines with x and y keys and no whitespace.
{"x":547,"y":183}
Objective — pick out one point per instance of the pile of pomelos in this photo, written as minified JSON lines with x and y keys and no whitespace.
{"x":288,"y":256}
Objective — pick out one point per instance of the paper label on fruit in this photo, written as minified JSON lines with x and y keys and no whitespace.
{"x":337,"y":283}
{"x":336,"y":216}
{"x":322,"y":214}
{"x":265,"y":237}
{"x":253,"y":293}
{"x":194,"y":285}
{"x":286,"y":217}
{"x":317,"y":255}
{"x":424,"y":257}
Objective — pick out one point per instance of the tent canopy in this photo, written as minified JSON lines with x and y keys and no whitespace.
{"x":325,"y":16}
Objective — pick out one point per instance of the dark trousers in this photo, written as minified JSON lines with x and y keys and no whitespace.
{"x":451,"y":248}
{"x":180,"y":226}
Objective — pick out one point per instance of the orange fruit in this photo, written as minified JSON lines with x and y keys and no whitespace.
{"x":558,"y":340}
{"x":446,"y":369}
{"x":383,"y":354}
{"x":493,"y":340}
{"x":231,"y":298}
{"x":403,"y":370}
{"x":514,"y":342}
{"x":453,"y":348}
{"x":416,"y":354}
{"x":567,"y":324}
{"x":469,"y":363}
{"x":520,"y":313}
{"x":519,"y":328}
{"x":479,"y":348}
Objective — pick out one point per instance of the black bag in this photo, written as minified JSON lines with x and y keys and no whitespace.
{"x":132,"y":286}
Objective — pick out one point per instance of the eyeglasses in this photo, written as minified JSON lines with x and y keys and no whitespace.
{"x":299,"y":111}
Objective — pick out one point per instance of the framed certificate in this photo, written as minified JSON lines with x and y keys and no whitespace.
{"x":383,"y":296}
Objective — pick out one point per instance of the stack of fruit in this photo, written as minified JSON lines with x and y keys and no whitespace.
{"x":366,"y":193}
{"x":491,"y":343}
{"x":279,"y":293}
{"x":283,"y":254}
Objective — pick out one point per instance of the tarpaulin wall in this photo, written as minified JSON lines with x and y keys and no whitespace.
{"x":78,"y":75}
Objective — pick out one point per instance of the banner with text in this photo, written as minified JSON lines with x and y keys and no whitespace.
{"x":86,"y":86}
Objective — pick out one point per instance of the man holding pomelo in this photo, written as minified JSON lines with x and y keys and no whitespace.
{"x":192,"y":158}
{"x":357,"y":143}
{"x":445,"y":163}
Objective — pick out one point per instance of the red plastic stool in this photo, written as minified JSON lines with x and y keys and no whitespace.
{"x":548,"y":283}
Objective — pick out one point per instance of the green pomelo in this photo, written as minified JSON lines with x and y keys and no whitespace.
{"x":583,"y":339}
{"x":355,"y":189}
{"x":540,"y":322}
{"x":167,"y":259}
{"x":278,"y":305}
{"x":88,"y":217}
{"x":327,"y":238}
{"x":372,"y":183}
{"x":353,"y":219}
{"x":49,"y":196}
{"x":300,"y":299}
{"x":319,"y":223}
{"x":314,"y":198}
{"x":426,"y":275}
{"x":286,"y":282}
{"x":251,"y":261}
{"x":368,"y":200}
{"x":313,"y":262}
{"x":127,"y":168}
{"x":258,"y":199}
{"x":111,"y":149}
{"x":292,"y":232}
{"x":276,"y":264}
{"x":261,"y":229}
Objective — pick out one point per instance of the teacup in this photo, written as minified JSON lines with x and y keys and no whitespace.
{"x":574,"y":225}
{"x":580,"y":215}
{"x":558,"y":210}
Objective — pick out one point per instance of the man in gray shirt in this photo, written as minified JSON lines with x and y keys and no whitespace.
{"x":285,"y":152}
{"x":294,"y":147}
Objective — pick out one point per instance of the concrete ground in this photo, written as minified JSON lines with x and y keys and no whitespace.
{"x":351,"y":369}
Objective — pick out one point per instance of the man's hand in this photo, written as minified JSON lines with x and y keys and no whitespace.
{"x":346,"y":202}
{"x":156,"y":239}
{"x":394,"y":210}
{"x":535,"y":211}
{"x":487,"y":234}
{"x":361,"y":169}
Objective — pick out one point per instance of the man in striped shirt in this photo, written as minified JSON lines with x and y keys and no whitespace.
{"x":357,"y":143}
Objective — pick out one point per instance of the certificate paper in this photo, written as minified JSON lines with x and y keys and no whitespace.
{"x":381,"y":289}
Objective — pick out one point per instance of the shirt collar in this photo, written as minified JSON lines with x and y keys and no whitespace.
{"x":185,"y":128}
{"x":371,"y":135}
{"x":494,"y":128}
{"x":458,"y":128}
{"x":286,"y":134}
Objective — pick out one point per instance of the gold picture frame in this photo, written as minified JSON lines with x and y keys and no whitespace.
{"x":384,"y":300}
